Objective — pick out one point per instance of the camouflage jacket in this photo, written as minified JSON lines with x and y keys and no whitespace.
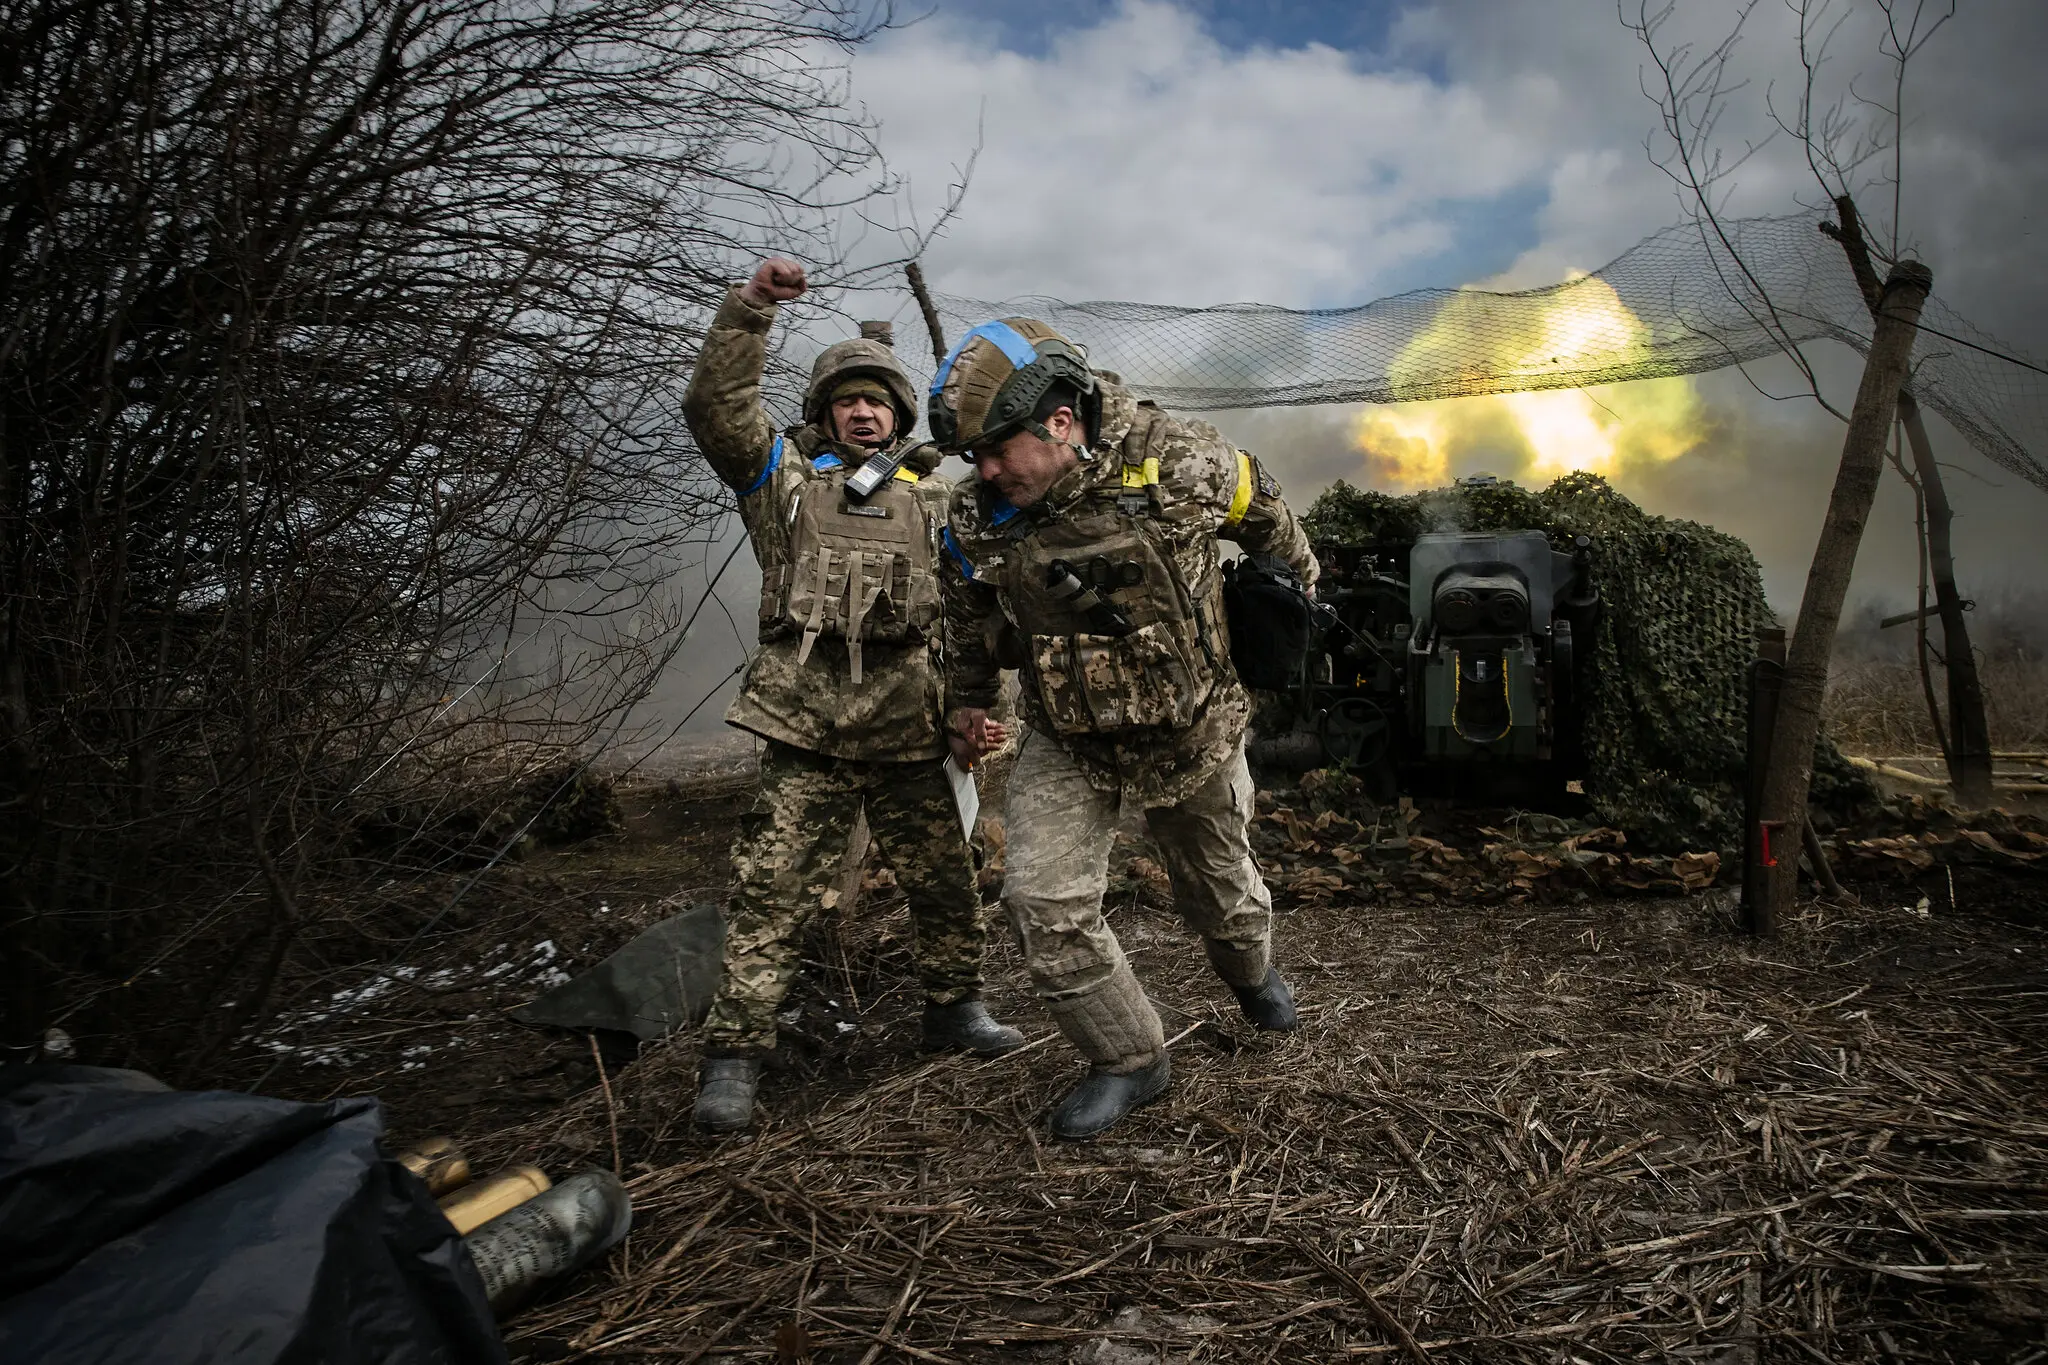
{"x":893,"y":712}
{"x":1206,"y":490}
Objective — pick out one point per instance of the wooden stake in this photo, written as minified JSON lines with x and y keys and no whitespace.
{"x":915,"y":274}
{"x":1967,"y":744}
{"x":1818,"y":856}
{"x":1790,"y":772}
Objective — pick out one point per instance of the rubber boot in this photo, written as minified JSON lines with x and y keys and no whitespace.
{"x":1103,"y":1097}
{"x":1115,"y":1027}
{"x":965,"y":1026}
{"x":725,"y":1092}
{"x":1270,"y":1004}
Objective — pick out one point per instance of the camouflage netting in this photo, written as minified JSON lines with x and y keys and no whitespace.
{"x":1677,"y":302}
{"x":1667,"y":694}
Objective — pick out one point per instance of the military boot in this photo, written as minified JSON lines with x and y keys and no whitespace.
{"x":725,"y":1092}
{"x":1103,"y":1097}
{"x":1270,"y":1004}
{"x":966,"y":1026}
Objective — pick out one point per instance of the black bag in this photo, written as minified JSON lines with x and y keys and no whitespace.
{"x":1272,"y":622}
{"x":139,"y":1223}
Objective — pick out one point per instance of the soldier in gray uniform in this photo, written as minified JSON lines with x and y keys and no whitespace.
{"x":1085,"y":556}
{"x":845,"y":688}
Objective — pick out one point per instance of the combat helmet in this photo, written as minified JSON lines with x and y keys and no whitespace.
{"x":988,"y":386}
{"x":863,"y":357}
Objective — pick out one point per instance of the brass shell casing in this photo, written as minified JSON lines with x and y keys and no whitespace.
{"x":472,"y":1207}
{"x":439,"y":1163}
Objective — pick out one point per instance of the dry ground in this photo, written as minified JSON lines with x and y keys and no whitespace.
{"x":1580,"y":1129}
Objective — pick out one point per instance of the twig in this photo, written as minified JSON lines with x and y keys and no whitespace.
{"x":611,"y":1106}
{"x":1379,"y":1311}
{"x":924,"y":1244}
{"x":936,"y":329}
{"x":703,"y":1348}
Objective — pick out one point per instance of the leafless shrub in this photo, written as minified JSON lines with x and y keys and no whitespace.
{"x":340,"y":353}
{"x":1876,"y":703}
{"x":1875,"y":706}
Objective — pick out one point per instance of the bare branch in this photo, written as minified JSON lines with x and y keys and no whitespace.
{"x":341,"y":466}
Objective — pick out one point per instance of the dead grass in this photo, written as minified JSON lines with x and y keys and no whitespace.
{"x":1877,"y":706}
{"x":1588,"y":1131}
{"x":1570,"y":1129}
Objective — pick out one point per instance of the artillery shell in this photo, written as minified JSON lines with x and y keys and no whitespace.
{"x":470,"y":1208}
{"x":549,"y":1236}
{"x":439,"y":1163}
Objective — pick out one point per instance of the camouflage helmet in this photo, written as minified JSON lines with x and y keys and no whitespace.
{"x":867,"y":358}
{"x":988,"y":386}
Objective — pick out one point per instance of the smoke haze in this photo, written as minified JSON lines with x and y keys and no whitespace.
{"x":1205,"y":158}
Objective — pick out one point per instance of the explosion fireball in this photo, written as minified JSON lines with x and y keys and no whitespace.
{"x":1530,"y":436}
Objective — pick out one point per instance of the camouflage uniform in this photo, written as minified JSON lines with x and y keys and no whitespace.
{"x":842,"y":727}
{"x":1074,"y":771}
{"x":790,"y":848}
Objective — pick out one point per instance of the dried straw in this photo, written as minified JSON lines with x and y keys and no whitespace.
{"x":1589,"y":1131}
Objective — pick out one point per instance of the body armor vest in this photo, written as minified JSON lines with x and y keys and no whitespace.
{"x":1116,"y":634}
{"x":858,"y":571}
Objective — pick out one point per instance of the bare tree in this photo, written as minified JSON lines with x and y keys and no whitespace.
{"x":1852,"y":145}
{"x":341,"y":347}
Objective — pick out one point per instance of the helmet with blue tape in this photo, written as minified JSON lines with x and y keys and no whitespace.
{"x":990,"y":385}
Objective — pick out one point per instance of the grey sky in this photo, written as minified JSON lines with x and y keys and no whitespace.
{"x":1313,"y":155}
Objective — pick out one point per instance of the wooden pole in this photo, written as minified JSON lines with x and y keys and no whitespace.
{"x":1969,"y":731}
{"x":1790,"y":772}
{"x":1766,"y":677}
{"x":915,"y":273}
{"x":1967,"y":742}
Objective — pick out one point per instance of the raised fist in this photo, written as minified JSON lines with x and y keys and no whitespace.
{"x":778,"y":280}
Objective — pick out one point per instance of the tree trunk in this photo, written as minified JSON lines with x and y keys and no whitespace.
{"x":1790,"y":774}
{"x":1969,"y":749}
{"x":1967,"y":746}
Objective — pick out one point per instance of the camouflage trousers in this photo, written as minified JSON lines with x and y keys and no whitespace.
{"x":1056,"y":870}
{"x":791,"y":847}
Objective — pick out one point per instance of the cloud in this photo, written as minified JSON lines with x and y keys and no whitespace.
{"x":1143,"y":160}
{"x":1140,"y":158}
{"x":1975,"y":168}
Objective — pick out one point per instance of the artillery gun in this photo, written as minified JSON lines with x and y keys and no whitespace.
{"x":1449,"y":666}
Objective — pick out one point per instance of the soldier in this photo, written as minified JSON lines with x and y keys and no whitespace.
{"x":845,"y":688}
{"x":1087,"y":547}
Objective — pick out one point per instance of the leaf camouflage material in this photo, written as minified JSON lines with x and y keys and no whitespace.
{"x":1666,"y":696}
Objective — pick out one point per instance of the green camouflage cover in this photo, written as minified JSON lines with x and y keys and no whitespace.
{"x":1666,"y":693}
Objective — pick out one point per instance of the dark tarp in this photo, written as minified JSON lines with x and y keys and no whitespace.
{"x":661,"y":980}
{"x":143,"y":1224}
